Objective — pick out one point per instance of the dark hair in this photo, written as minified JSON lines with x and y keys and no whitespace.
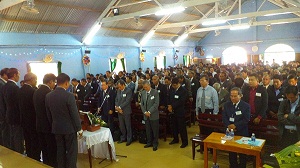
{"x":204,"y":76}
{"x":74,"y":79}
{"x":167,"y":77}
{"x":254,"y":74}
{"x":245,"y":71}
{"x":291,"y":90}
{"x":105,"y":81}
{"x":129,"y":77}
{"x":83,"y":80}
{"x":175,"y":80}
{"x":276,"y":76}
{"x":292,"y":76}
{"x":239,"y":82}
{"x":62,"y":78}
{"x":29,"y":76}
{"x":238,"y":90}
{"x":49,"y":77}
{"x":180,"y":77}
{"x":121,"y":82}
{"x":4,"y":71}
{"x":12,"y":72}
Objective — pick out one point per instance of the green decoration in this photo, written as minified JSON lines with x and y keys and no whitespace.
{"x":123,"y":63}
{"x":165,"y":61}
{"x":59,"y":67}
{"x":155,"y":62}
{"x":113,"y":64}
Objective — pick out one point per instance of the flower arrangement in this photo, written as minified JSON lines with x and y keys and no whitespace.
{"x":96,"y":120}
{"x":142,"y":57}
{"x":289,"y":156}
{"x":86,"y":60}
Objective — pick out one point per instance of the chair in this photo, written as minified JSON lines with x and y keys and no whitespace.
{"x":196,"y":141}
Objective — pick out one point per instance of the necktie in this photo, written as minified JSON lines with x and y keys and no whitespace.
{"x":203,"y":101}
{"x":147,"y":95}
{"x":234,"y":105}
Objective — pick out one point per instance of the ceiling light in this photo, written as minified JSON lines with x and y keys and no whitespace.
{"x":170,"y":11}
{"x":87,"y":39}
{"x":274,"y":14}
{"x":240,"y":27}
{"x":147,"y":37}
{"x":213,"y":22}
{"x":180,"y":39}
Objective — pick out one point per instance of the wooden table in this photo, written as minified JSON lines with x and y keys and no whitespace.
{"x":214,"y":141}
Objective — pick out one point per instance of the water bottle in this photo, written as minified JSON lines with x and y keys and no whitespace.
{"x":215,"y":165}
{"x":253,"y":139}
{"x":227,"y":133}
{"x":232,"y":133}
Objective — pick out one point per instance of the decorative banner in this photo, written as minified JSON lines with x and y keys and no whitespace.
{"x":86,"y":60}
{"x":48,"y":58}
{"x":121,"y":55}
{"x":175,"y":56}
{"x":142,"y":57}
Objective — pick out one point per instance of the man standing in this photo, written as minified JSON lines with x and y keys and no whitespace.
{"x":130,"y":83}
{"x":288,"y":118}
{"x":149,"y":106}
{"x":28,"y":116}
{"x":123,"y":107}
{"x":4,"y":129}
{"x":257,"y":96}
{"x":236,"y":116}
{"x":47,"y":140}
{"x":178,"y":98}
{"x":63,"y":115}
{"x":87,"y":88}
{"x":161,"y":89}
{"x":13,"y":119}
{"x":275,"y":96}
{"x":79,"y":92}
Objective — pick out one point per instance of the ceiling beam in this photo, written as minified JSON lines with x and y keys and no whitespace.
{"x":8,"y":3}
{"x":139,"y":31}
{"x":231,"y":17}
{"x":130,"y":4}
{"x":260,"y":23}
{"x":281,"y":6}
{"x":156,"y":9}
{"x":292,"y":2}
{"x":39,"y":22}
{"x":65,"y":6}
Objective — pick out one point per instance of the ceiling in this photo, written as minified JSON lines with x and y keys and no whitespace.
{"x":136,"y":17}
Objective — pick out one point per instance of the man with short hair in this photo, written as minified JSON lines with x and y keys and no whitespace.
{"x":161,"y":89}
{"x":63,"y":115}
{"x":275,"y":96}
{"x":87,"y":88}
{"x":130,"y":83}
{"x":244,"y":73}
{"x":149,"y":107}
{"x":4,"y":129}
{"x":47,"y":140}
{"x":225,"y":82}
{"x":123,"y":107}
{"x":79,"y":92}
{"x":28,"y":116}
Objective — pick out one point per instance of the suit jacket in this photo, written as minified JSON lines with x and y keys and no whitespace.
{"x":27,"y":110}
{"x":123,"y":99}
{"x":161,"y":89}
{"x":150,"y":103}
{"x":80,"y":91}
{"x":109,"y":103}
{"x":223,"y":97}
{"x":42,"y":123}
{"x":131,"y":86}
{"x":88,"y":91}
{"x":259,"y":101}
{"x":177,"y":101}
{"x":62,"y":112}
{"x":292,"y":119}
{"x":241,"y":115}
{"x":194,"y":87}
{"x":227,"y":84}
{"x":2,"y":102}
{"x":11,"y":98}
{"x":187,"y":85}
{"x":273,"y":100}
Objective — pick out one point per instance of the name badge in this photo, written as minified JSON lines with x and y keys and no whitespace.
{"x":238,"y":113}
{"x":231,"y":119}
{"x":107,"y":96}
{"x":152,"y":97}
{"x":258,"y":94}
{"x":193,"y":84}
{"x":158,"y":91}
{"x":78,"y":90}
{"x":124,"y":95}
{"x":176,"y":96}
{"x":183,"y":84}
{"x":208,"y":97}
{"x":280,"y":99}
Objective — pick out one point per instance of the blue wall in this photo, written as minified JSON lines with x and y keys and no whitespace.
{"x":287,"y":34}
{"x":16,"y":49}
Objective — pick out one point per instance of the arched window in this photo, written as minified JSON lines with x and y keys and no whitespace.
{"x":234,"y":54}
{"x":278,"y":53}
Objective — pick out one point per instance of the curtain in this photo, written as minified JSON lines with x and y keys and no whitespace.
{"x":184,"y":60}
{"x":59,"y":67}
{"x":165,"y":61}
{"x":155,"y":62}
{"x":123,"y":63}
{"x":113,"y":64}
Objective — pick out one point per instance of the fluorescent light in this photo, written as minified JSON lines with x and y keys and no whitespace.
{"x":213,"y":22}
{"x":87,"y":39}
{"x":274,"y":14}
{"x":147,"y":37}
{"x":180,"y":39}
{"x":241,"y":27}
{"x":170,"y":11}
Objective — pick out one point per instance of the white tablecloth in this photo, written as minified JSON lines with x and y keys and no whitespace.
{"x":97,"y":141}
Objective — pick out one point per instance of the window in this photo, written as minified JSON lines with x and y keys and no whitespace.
{"x":40,"y":69}
{"x":116,"y":65}
{"x":234,"y":54}
{"x":160,"y":62}
{"x":187,"y":60}
{"x":278,"y":53}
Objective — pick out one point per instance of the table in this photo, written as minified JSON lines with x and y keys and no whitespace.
{"x":98,"y":144}
{"x":214,"y":141}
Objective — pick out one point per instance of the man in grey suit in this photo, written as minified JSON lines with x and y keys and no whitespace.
{"x":63,"y":115}
{"x":149,"y":106}
{"x":123,"y":107}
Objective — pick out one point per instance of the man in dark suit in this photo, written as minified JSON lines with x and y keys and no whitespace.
{"x":168,"y":88}
{"x":63,"y":115}
{"x":236,"y":115}
{"x":106,"y":104}
{"x":130,"y":83}
{"x":178,"y":97}
{"x":184,"y":82}
{"x":257,"y":96}
{"x":47,"y":140}
{"x":28,"y":116}
{"x":87,"y":88}
{"x":123,"y":107}
{"x":161,"y":89}
{"x":4,"y":129}
{"x":194,"y":85}
{"x":79,"y":92}
{"x":149,"y":106}
{"x":225,"y":82}
{"x":13,"y":119}
{"x":275,"y":96}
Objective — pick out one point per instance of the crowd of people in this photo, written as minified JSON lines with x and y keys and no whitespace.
{"x":46,"y":116}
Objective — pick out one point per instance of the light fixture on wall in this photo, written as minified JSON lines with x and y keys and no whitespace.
{"x":115,"y":11}
{"x":268,"y":28}
{"x":143,"y":50}
{"x":29,"y":7}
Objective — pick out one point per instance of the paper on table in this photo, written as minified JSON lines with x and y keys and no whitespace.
{"x":247,"y":140}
